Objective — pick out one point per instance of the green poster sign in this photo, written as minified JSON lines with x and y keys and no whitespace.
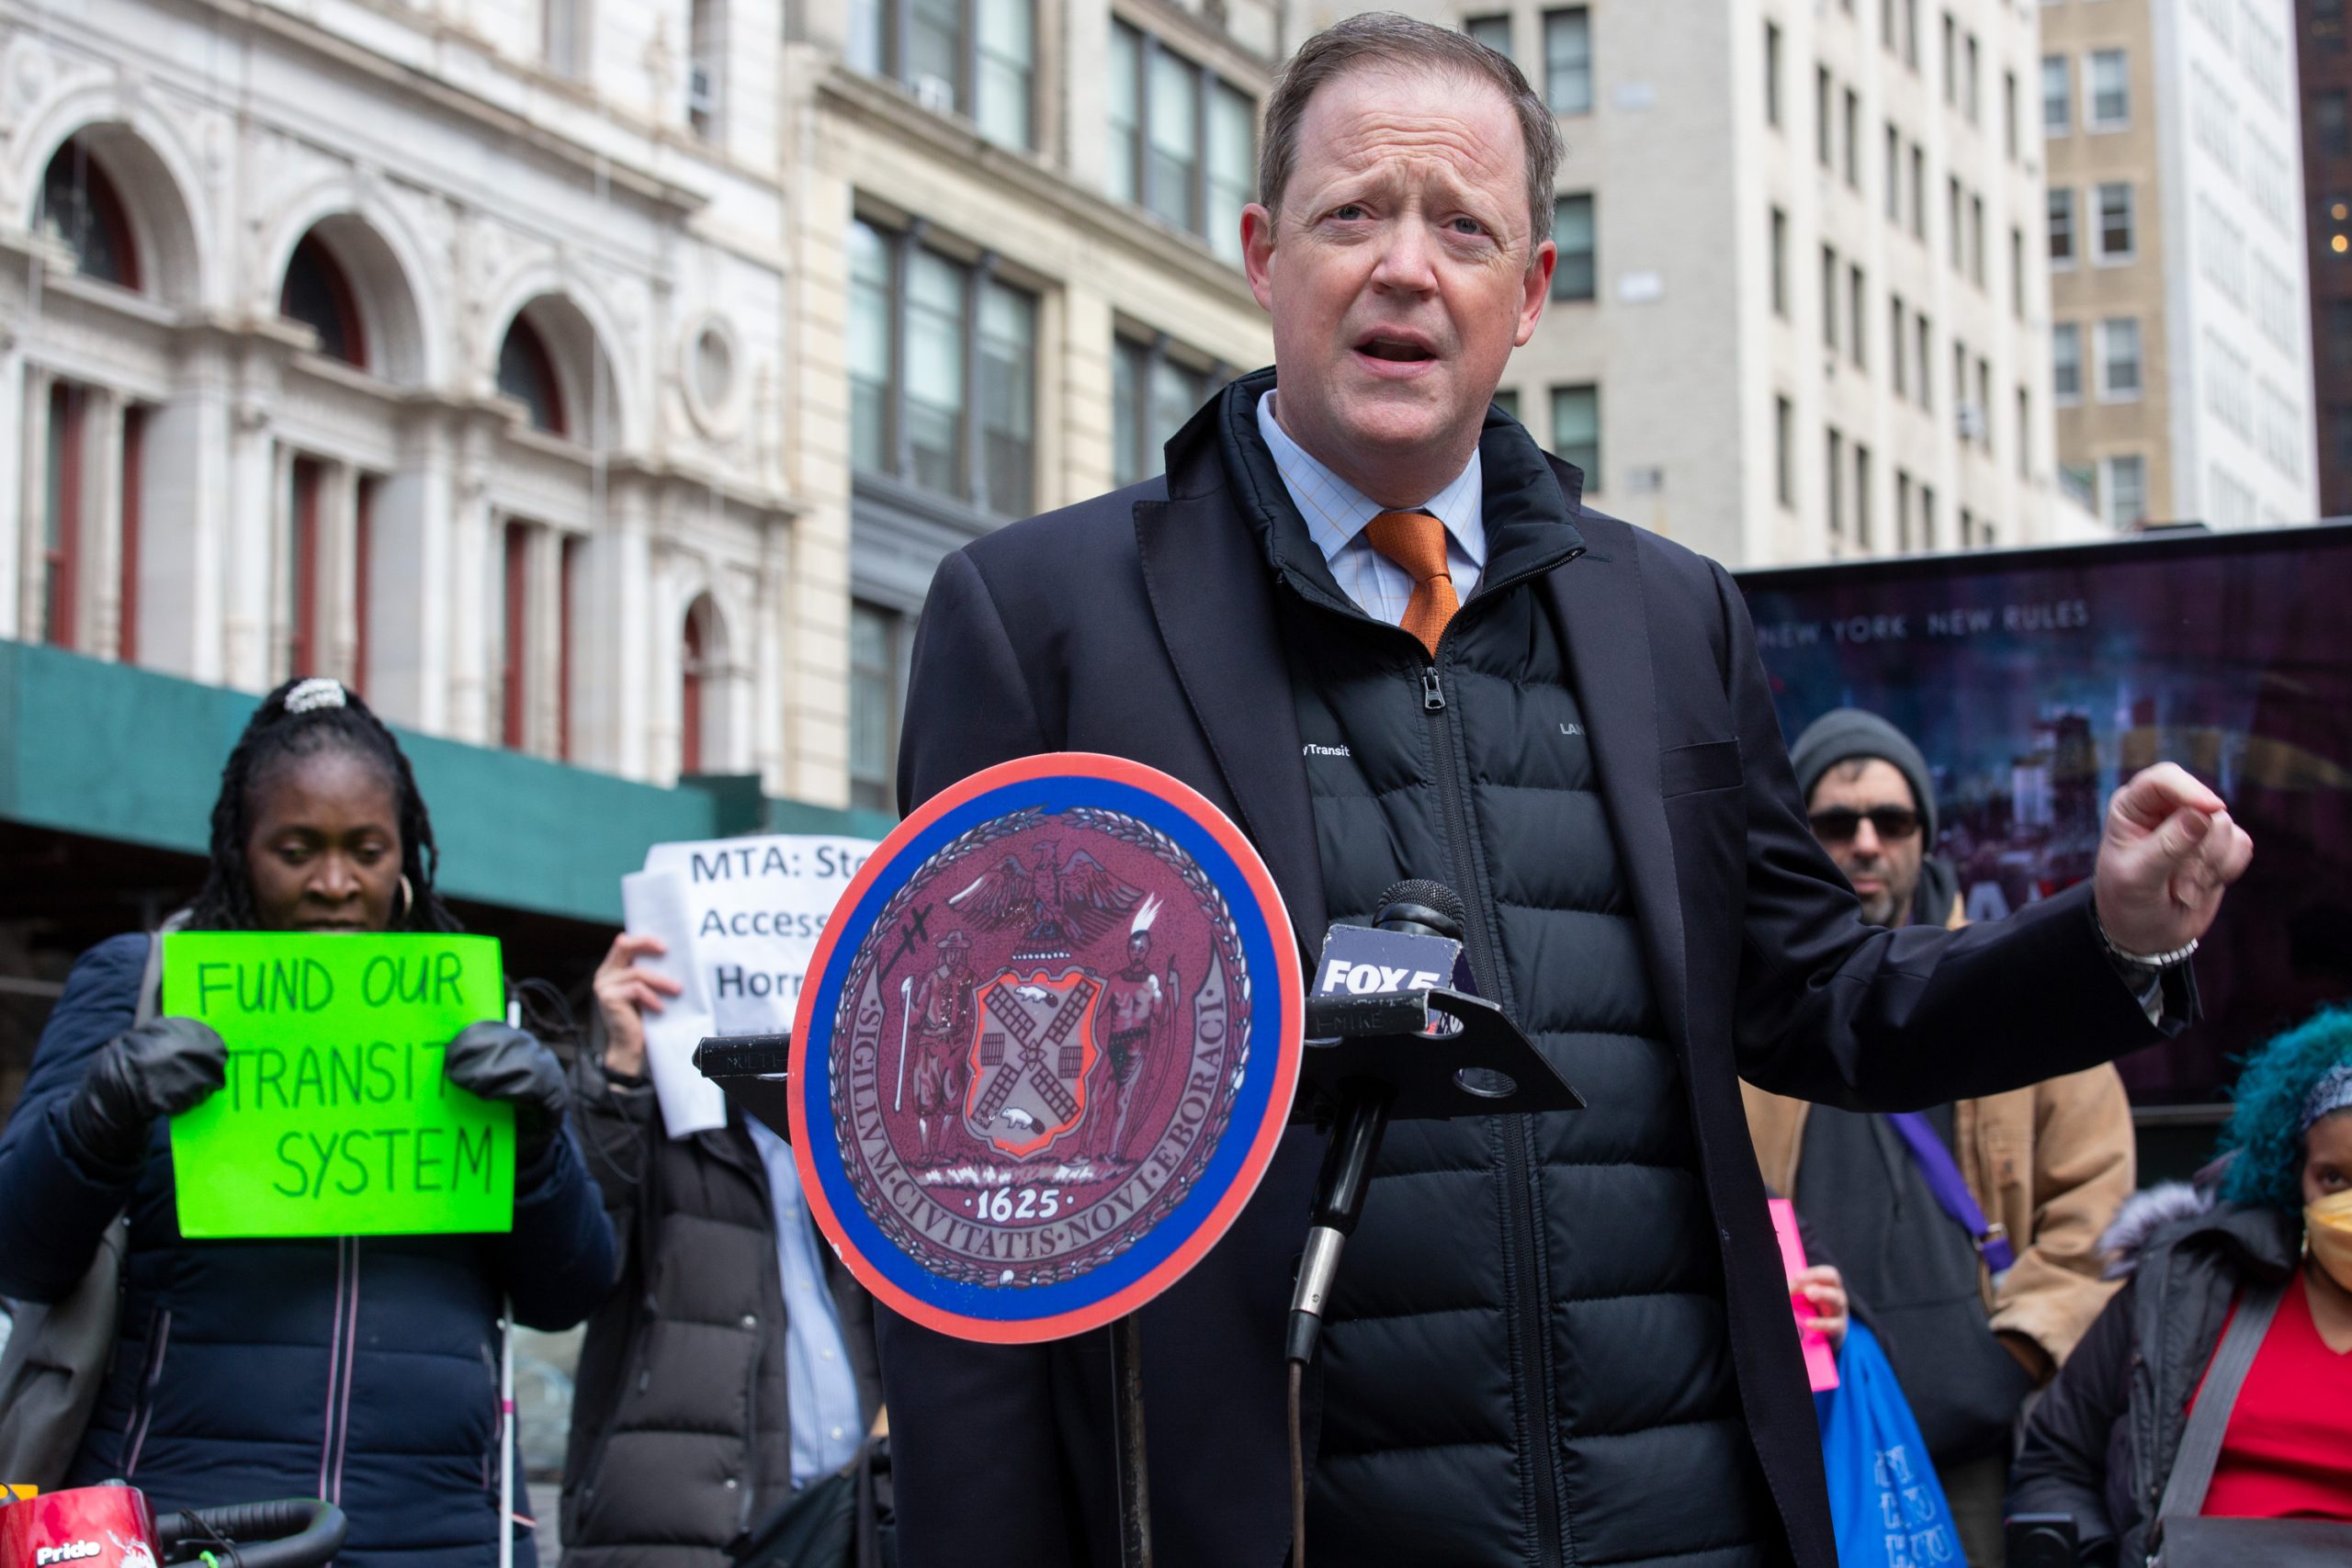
{"x":337,"y":1119}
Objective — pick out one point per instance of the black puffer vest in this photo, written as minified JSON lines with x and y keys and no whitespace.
{"x":1527,"y":1362}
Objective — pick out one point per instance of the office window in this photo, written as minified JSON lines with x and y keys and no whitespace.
{"x":975,"y":58}
{"x":317,"y":293}
{"x":1960,"y":389}
{"x":1887,"y":30}
{"x":1568,"y":61}
{"x":1969,"y":81}
{"x":526,"y":374}
{"x":1925,"y":365}
{"x":1893,"y":174}
{"x":560,"y":37}
{"x":1834,"y":490}
{"x":1007,"y":343}
{"x":514,"y":627}
{"x":2118,"y":357}
{"x":1855,"y":335}
{"x":1507,"y":400}
{"x":2009,"y":115}
{"x":1895,"y":355}
{"x":1861,"y":495}
{"x":2062,"y":227}
{"x":1911,"y":35}
{"x":2124,"y":491}
{"x":1952,"y":62}
{"x":2017,"y":272}
{"x":875,"y":694}
{"x":1976,"y":239}
{"x":706,"y":64}
{"x":2025,"y":434}
{"x":1184,"y":141}
{"x":1784,"y":479}
{"x":1572,"y":232}
{"x":1152,"y":396}
{"x":81,"y":211}
{"x":1773,"y":74}
{"x":1829,"y":298}
{"x":942,"y":368}
{"x":2115,"y":242}
{"x":1983,"y":403}
{"x":2057,"y":96}
{"x":2334,"y":125}
{"x":1926,"y":517}
{"x":1780,"y":263}
{"x":1492,"y":31}
{"x":1575,"y":431}
{"x":1854,"y":139}
{"x":1952,"y":236}
{"x":1902,"y":512}
{"x":1918,"y":193}
{"x":1172,"y":121}
{"x":1232,"y":175}
{"x":2066,"y":364}
{"x":2108,"y":90}
{"x":1824,"y":126}
{"x":62,"y":512}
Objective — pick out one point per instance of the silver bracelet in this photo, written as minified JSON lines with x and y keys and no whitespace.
{"x":2139,"y":960}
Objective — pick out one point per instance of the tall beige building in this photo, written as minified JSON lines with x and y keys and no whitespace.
{"x":2180,"y":338}
{"x":1800,"y":304}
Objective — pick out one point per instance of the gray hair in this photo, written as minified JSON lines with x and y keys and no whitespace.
{"x":1384,"y":38}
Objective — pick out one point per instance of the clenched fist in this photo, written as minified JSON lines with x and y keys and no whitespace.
{"x":2169,"y":851}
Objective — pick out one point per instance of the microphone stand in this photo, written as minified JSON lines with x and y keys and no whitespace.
{"x":1410,"y":1055}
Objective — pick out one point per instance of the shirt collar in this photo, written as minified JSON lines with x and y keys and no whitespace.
{"x":1336,"y":512}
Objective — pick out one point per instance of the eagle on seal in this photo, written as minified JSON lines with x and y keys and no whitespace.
{"x":1064,"y":903}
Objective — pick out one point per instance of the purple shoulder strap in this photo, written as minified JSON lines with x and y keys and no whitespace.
{"x":1951,"y":1190}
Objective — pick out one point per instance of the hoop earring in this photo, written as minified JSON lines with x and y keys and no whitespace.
{"x":408,"y":902}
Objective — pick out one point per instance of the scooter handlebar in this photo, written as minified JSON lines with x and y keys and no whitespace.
{"x":295,"y":1532}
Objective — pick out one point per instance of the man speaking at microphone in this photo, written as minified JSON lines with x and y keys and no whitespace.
{"x":1365,"y":616}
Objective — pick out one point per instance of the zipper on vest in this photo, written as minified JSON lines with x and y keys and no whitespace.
{"x":1534,"y":1349}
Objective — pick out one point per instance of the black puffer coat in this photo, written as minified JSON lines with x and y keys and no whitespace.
{"x":1554,"y":1382}
{"x":2101,"y":1442}
{"x":681,"y":1424}
{"x":363,"y":1370}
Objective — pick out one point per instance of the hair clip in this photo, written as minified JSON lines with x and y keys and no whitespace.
{"x":318,"y":692}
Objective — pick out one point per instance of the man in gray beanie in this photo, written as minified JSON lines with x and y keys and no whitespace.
{"x":1873,"y":810}
{"x":1975,"y":1309}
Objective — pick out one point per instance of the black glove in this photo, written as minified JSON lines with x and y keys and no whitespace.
{"x":160,"y":1069}
{"x":497,"y":1061}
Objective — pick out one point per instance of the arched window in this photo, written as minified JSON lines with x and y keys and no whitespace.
{"x":81,"y":211}
{"x":318,"y":294}
{"x":694,"y":667}
{"x":526,"y":374}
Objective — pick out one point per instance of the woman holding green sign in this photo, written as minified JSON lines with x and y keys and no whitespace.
{"x":361,"y":1370}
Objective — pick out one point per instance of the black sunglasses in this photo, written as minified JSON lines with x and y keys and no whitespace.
{"x":1838,"y":824}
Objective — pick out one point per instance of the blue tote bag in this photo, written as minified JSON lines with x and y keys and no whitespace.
{"x":1884,"y":1500}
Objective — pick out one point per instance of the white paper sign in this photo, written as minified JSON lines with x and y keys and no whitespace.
{"x":653,"y":903}
{"x":748,"y":912}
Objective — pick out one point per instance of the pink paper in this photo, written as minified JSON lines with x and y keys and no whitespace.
{"x":1820,"y":1361}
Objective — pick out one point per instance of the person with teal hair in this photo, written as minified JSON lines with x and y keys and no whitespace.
{"x":2207,"y":1417}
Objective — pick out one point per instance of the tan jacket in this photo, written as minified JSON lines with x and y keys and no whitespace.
{"x":2050,"y":1164}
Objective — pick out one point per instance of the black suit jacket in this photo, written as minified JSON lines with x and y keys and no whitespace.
{"x":1142,"y":624}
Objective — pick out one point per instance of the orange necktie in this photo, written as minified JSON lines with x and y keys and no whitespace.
{"x":1415,"y":541}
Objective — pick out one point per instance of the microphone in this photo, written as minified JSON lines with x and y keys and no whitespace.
{"x":1413,"y":946}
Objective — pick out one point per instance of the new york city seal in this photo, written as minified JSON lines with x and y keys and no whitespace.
{"x":1048,"y":1045}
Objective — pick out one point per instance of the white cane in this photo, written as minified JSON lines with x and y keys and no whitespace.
{"x":506,"y":1395}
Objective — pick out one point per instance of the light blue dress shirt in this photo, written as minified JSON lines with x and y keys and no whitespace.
{"x":826,"y":1426}
{"x":1336,"y":513}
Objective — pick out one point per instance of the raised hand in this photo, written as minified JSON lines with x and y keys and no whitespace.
{"x":625,"y":993}
{"x":2168,"y":853}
